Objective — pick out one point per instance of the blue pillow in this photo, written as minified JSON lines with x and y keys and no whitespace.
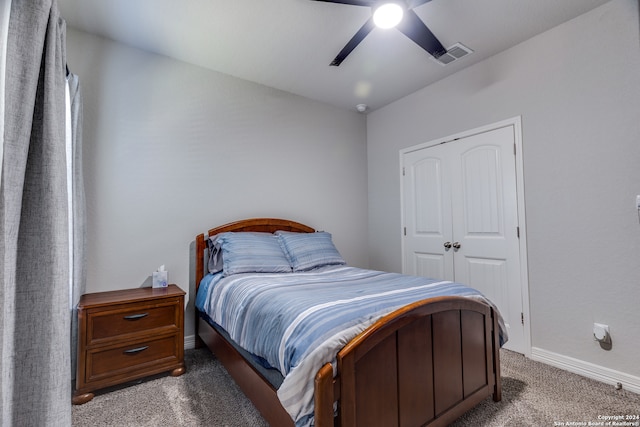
{"x":251,"y":252}
{"x":307,"y":251}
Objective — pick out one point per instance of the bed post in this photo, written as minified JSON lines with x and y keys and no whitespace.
{"x":324,"y":397}
{"x":200,"y":248}
{"x":497,"y":386}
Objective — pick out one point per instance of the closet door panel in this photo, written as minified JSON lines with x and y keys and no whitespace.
{"x":427,"y":214}
{"x":485,"y":221}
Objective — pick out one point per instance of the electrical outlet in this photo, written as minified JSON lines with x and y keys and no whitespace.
{"x":602,"y":335}
{"x":600,"y":332}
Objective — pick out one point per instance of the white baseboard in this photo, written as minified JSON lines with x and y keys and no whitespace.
{"x":189,"y":342}
{"x":587,"y":369}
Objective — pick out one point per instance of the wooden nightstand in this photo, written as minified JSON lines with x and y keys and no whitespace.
{"x":126,"y":335}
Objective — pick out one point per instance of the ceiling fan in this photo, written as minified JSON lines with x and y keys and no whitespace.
{"x":408,"y":23}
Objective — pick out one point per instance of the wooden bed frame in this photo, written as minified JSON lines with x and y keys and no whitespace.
{"x":425,"y":364}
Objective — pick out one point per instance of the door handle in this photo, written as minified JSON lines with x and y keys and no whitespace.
{"x":447,"y":245}
{"x":456,"y":246}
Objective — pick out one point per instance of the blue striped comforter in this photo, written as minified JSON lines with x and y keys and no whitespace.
{"x":297,"y":322}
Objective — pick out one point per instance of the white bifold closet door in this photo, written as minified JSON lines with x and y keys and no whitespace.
{"x":461,"y":219}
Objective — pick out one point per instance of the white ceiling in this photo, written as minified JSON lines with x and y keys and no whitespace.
{"x":288,"y":44}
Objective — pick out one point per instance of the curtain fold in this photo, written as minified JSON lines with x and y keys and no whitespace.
{"x":34,"y":300}
{"x":77,"y":212}
{"x":5,"y":11}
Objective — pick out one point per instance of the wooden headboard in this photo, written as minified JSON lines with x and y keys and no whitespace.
{"x":266,"y":225}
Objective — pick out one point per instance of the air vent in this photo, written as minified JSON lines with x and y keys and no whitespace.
{"x":453,"y":53}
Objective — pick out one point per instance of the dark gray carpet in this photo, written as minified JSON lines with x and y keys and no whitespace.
{"x":204,"y":396}
{"x":533,"y":394}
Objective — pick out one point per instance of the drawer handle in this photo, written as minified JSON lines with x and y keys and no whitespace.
{"x":136,"y":316}
{"x":136,"y":350}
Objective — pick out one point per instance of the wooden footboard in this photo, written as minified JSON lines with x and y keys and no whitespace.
{"x":425,"y":364}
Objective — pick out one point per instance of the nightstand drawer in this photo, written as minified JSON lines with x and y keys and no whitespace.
{"x":126,"y":358}
{"x":130,"y":320}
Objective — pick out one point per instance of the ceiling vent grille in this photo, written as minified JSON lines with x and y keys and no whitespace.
{"x":453,"y":53}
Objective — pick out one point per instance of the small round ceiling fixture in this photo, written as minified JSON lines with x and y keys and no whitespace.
{"x":362,"y":108}
{"x":388,"y":15}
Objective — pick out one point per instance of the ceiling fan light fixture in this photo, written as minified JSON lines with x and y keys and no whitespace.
{"x":387,"y":15}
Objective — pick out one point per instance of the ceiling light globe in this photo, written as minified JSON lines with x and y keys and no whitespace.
{"x":387,"y":15}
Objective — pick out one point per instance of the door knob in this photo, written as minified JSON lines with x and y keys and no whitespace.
{"x":447,"y":245}
{"x":456,"y":245}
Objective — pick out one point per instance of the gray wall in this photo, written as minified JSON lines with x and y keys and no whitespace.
{"x":577,"y":88}
{"x":171,"y":150}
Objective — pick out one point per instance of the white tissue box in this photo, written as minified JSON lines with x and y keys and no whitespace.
{"x":159,"y":279}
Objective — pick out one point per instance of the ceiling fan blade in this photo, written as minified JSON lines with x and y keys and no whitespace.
{"x":367,"y":3}
{"x":415,"y":3}
{"x":413,"y":27}
{"x":355,"y":41}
